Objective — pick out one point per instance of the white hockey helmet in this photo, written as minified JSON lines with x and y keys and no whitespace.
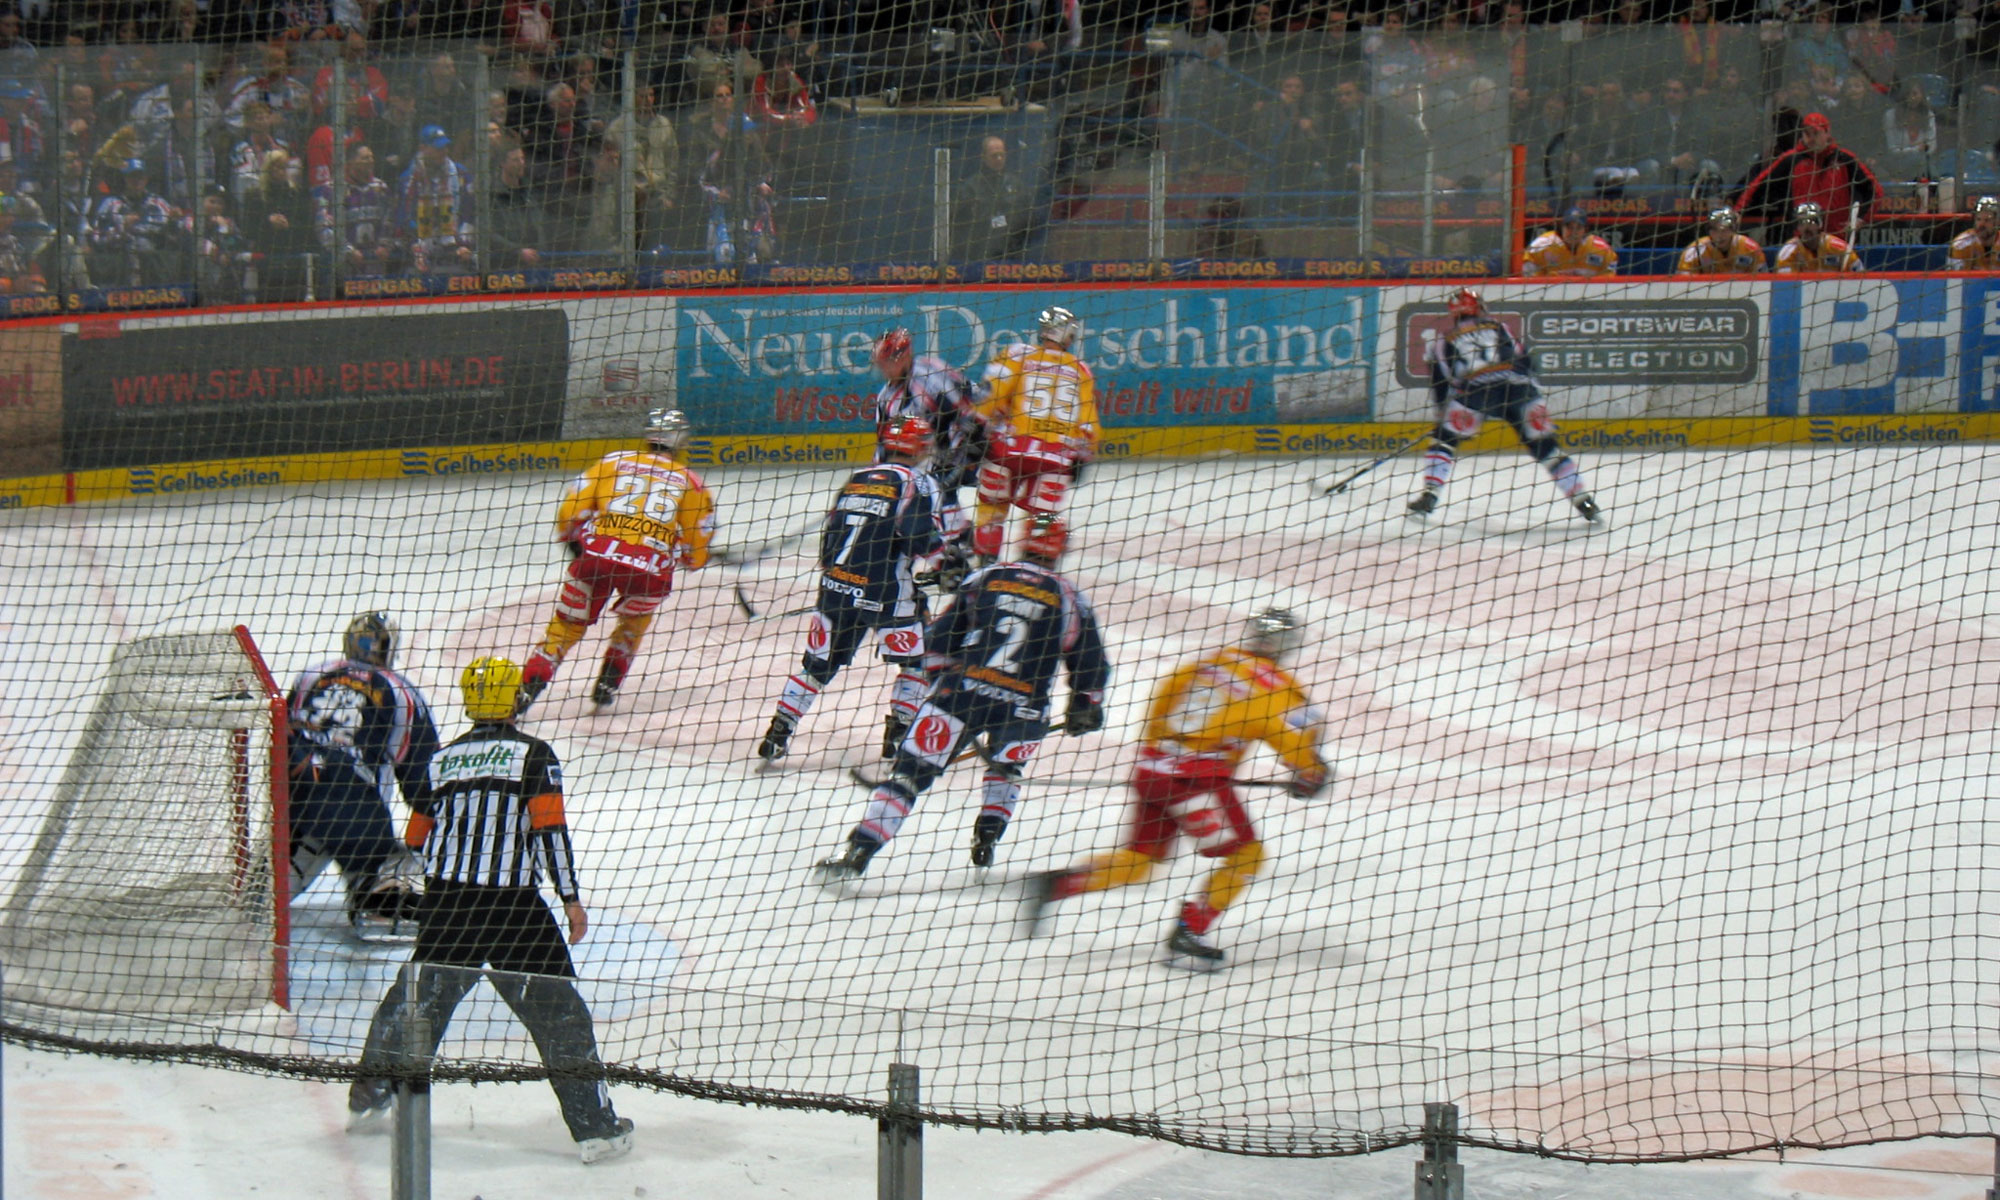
{"x":1274,"y":633}
{"x":373,"y":638}
{"x":668,"y":429}
{"x":1058,"y":325}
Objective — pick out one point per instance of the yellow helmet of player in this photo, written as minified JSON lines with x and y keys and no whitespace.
{"x":489,"y":686}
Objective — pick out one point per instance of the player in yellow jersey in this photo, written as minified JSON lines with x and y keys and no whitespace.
{"x":1978,"y":248}
{"x":1812,"y":250}
{"x":1725,"y":250}
{"x":1201,"y":724}
{"x":1571,"y":251}
{"x":1040,"y":424}
{"x":628,"y":520}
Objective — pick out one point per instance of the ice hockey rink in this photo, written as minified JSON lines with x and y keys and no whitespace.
{"x":1752,"y":637}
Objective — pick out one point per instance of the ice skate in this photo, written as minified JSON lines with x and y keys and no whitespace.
{"x":604,"y":693}
{"x":850,"y":864}
{"x":1424,"y":505}
{"x":368,"y":1102}
{"x":986,"y":833}
{"x":1192,"y":951}
{"x":384,"y":911}
{"x":777,"y":737}
{"x":1586,"y":507}
{"x":613,"y":1143}
{"x":530,"y":691}
{"x":893,"y":729}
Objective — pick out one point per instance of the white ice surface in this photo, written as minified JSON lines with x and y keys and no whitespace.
{"x":1534,"y":687}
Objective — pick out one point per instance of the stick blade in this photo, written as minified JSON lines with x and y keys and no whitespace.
{"x":743,"y":604}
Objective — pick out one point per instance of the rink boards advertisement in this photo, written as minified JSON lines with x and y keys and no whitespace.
{"x":159,"y":404}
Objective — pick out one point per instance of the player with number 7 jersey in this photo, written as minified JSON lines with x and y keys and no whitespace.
{"x":882,"y":529}
{"x":627,"y":521}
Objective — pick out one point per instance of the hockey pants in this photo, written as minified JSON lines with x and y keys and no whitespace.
{"x":463,"y":926}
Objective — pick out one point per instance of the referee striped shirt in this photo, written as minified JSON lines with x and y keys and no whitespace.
{"x":493,"y":813}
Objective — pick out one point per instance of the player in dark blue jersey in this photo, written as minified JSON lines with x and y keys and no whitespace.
{"x":994,"y":652}
{"x":881,"y":532}
{"x":359,"y":732}
{"x":1480,"y":370}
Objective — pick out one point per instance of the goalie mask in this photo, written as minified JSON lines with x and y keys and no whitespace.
{"x":668,"y":429}
{"x":371,"y":638}
{"x":1275,"y":634}
{"x":1058,"y":326}
{"x":1466,"y":304}
{"x":489,"y":686}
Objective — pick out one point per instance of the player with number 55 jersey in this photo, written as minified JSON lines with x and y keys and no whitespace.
{"x":628,"y":521}
{"x":1040,"y":423}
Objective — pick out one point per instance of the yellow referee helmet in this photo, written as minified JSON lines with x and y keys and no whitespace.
{"x":489,"y":686}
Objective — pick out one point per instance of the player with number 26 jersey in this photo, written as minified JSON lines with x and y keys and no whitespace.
{"x":628,"y":521}
{"x":993,"y":654}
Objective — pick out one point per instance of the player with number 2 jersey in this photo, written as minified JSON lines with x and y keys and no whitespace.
{"x":628,"y":521}
{"x":993,"y":654}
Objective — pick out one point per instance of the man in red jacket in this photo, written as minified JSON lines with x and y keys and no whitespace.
{"x":1814,"y":172}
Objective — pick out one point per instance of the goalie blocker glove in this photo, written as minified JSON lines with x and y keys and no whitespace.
{"x":1085,"y":715}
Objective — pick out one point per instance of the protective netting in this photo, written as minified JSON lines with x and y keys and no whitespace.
{"x":1656,"y":838}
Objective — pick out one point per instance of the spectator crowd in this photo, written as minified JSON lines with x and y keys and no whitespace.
{"x":261,"y":148}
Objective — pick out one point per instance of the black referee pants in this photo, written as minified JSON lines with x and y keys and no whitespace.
{"x":508,"y":935}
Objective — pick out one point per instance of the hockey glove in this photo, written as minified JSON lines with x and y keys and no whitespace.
{"x":1084,"y":716}
{"x":1307,"y":784}
{"x":951,"y":570}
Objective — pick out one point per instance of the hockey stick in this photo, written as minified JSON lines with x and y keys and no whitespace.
{"x":757,"y":554}
{"x":1335,"y":489}
{"x":856,"y":774}
{"x":751,"y":614}
{"x":1074,"y":781}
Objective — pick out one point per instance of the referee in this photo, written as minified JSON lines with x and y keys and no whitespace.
{"x":492,"y":809}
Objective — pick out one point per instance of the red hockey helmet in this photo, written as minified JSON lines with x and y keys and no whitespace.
{"x":907,"y":437}
{"x":1465,"y":303}
{"x":892,"y":351}
{"x":1044,"y":538}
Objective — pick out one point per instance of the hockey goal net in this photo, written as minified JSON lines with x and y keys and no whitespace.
{"x":149,"y":890}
